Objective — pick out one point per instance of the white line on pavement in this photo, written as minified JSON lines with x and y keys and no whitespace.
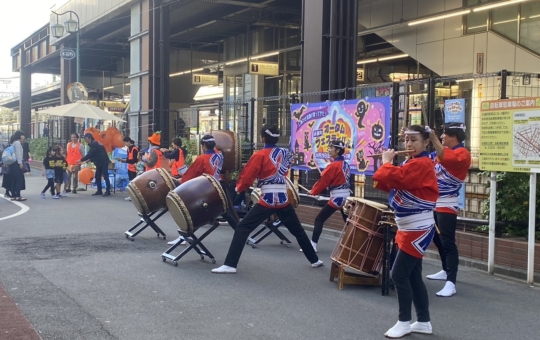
{"x":24,"y":208}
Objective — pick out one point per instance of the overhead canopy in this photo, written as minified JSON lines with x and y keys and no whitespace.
{"x":80,"y":110}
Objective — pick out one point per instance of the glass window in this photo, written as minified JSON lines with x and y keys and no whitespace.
{"x":529,"y":34}
{"x":477,"y":22}
{"x":505,"y":21}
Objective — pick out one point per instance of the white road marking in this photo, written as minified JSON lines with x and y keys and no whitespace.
{"x":24,"y":208}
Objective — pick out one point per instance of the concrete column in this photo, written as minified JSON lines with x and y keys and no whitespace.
{"x":25,"y":102}
{"x":329,"y":31}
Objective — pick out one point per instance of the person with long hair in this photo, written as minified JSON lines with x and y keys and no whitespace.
{"x":16,"y":169}
{"x":452,"y":162}
{"x":413,"y":192}
{"x":269,"y":166}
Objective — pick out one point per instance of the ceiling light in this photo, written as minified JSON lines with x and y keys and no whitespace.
{"x":177,"y":74}
{"x":394,"y":57}
{"x":463,"y":80}
{"x":511,"y":2}
{"x":534,"y":16}
{"x":438,"y":17}
{"x":236,"y":61}
{"x":197,"y":70}
{"x":504,"y":22}
{"x":108,"y":87}
{"x":365,"y":61}
{"x":264,"y":55}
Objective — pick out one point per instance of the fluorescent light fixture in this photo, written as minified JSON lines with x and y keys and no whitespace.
{"x":177,"y":74}
{"x":394,"y":57}
{"x":237,"y":61}
{"x":264,"y":55}
{"x":108,"y":87}
{"x":534,"y":16}
{"x":499,"y":4}
{"x":438,"y":17}
{"x":463,"y":80}
{"x":197,"y":70}
{"x":473,"y":27}
{"x":128,"y":84}
{"x":365,"y":61}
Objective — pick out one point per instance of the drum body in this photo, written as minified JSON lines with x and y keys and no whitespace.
{"x":360,"y":246}
{"x":196,"y":202}
{"x":149,"y":190}
{"x":292,"y":194}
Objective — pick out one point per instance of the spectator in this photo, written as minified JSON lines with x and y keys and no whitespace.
{"x":16,"y":169}
{"x":75,"y":151}
{"x":46,"y":130}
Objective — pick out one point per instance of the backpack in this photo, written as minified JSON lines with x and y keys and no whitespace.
{"x":8,"y":156}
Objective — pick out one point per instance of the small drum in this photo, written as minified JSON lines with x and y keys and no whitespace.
{"x":149,"y":190}
{"x":196,"y":202}
{"x":360,"y":245}
{"x":230,"y":146}
{"x":292,"y":194}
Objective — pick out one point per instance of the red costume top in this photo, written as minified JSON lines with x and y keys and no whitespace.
{"x":413,"y":193}
{"x":209,"y":163}
{"x":335,"y":178}
{"x":451,"y":172}
{"x":270,"y":166}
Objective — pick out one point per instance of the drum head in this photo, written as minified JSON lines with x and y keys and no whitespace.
{"x":291,"y":190}
{"x":137,"y":199}
{"x":373,"y":204}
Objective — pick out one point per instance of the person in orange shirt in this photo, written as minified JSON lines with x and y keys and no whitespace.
{"x":132,"y":156}
{"x":74,"y":154}
{"x":452,"y":163}
{"x":153,"y":159}
{"x":177,"y":157}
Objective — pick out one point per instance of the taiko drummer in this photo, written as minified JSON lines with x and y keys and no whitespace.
{"x":269,"y":166}
{"x":413,"y":193}
{"x":335,"y":178}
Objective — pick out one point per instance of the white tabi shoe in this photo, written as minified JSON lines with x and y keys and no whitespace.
{"x":178,"y":239}
{"x":317,"y":264}
{"x":224,"y":270}
{"x":422,"y":327}
{"x":313,"y":244}
{"x":438,"y":276}
{"x":448,"y":290}
{"x":400,"y":329}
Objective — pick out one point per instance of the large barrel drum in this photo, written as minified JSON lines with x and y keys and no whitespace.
{"x":230,"y":146}
{"x":196,"y":202}
{"x":149,"y":190}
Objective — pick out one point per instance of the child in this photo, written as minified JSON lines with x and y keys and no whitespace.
{"x":60,"y":166}
{"x":48,"y":171}
{"x":65,"y":177}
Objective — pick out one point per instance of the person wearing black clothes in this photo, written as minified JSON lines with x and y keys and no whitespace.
{"x":98,"y":155}
{"x":16,"y":169}
{"x":59,"y":167}
{"x":177,"y":156}
{"x":48,"y":171}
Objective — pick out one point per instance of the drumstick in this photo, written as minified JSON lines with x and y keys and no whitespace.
{"x":303,"y":188}
{"x":397,"y":152}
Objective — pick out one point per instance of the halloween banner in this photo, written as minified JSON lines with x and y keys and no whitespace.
{"x":362,"y":124}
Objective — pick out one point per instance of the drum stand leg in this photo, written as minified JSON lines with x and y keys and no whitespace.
{"x":149,"y":221}
{"x":388,"y":238}
{"x":269,"y":227}
{"x":194,"y":243}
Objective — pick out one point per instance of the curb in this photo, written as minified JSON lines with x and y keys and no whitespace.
{"x":515,"y":273}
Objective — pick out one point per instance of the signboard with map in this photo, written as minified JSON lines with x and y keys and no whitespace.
{"x":362,"y":124}
{"x":510,"y":135}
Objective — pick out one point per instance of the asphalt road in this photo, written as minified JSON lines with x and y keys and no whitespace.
{"x":69,"y":267}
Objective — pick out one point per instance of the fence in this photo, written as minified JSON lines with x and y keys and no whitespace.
{"x":418,"y":101}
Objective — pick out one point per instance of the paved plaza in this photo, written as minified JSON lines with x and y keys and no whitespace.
{"x":73,"y":274}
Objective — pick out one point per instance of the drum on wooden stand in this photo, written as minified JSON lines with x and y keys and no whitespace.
{"x":149,"y":190}
{"x":292,"y":194}
{"x":361,"y":244}
{"x":196,"y":202}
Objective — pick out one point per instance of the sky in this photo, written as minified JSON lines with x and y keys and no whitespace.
{"x":18,"y":20}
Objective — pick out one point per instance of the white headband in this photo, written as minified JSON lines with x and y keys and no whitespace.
{"x":271,"y":134}
{"x":208,"y":140}
{"x":462,"y":127}
{"x":410,"y":132}
{"x":339,"y":146}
